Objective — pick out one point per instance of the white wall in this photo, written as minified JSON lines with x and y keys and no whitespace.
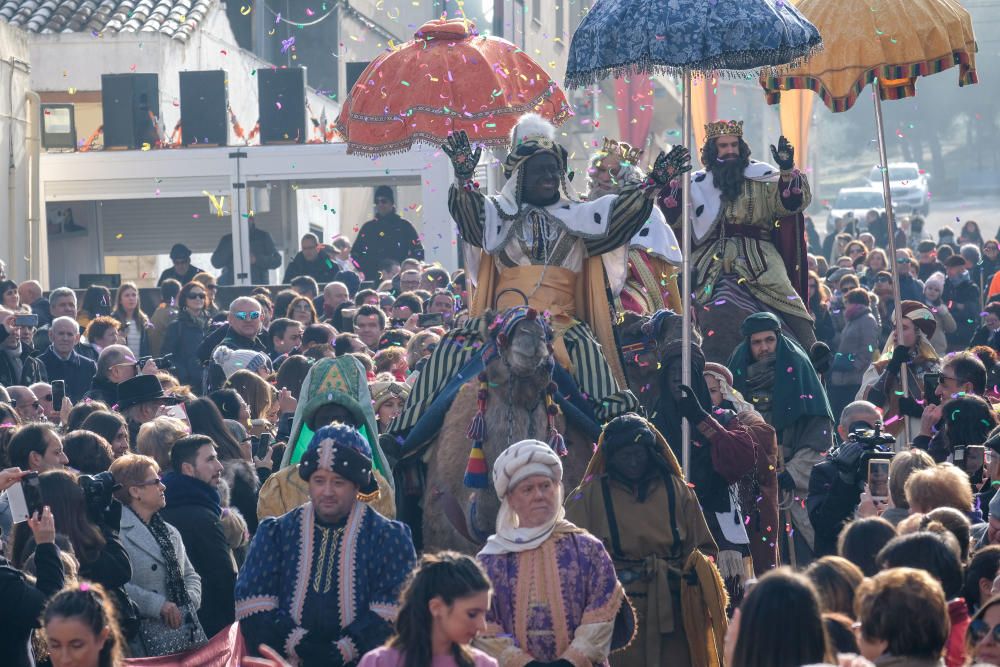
{"x":14,"y":84}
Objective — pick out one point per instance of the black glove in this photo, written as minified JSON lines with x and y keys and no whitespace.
{"x":846,"y":459}
{"x":910,"y":408}
{"x":463,"y":159}
{"x":784,"y":154}
{"x":820,"y":356}
{"x":670,"y":165}
{"x":785,"y":481}
{"x":690,"y":406}
{"x":900,"y":356}
{"x":315,"y":652}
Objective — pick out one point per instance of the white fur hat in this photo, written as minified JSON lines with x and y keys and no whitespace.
{"x":531,"y":125}
{"x":524,"y":459}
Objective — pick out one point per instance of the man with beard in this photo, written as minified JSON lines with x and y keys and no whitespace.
{"x":736,"y":204}
{"x":536,"y":241}
{"x":653,"y":254}
{"x":774,"y":373}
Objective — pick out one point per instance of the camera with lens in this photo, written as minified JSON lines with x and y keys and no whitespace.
{"x":98,"y":495}
{"x":873,"y":439}
{"x":162,"y":363}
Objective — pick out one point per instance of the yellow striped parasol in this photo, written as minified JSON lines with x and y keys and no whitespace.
{"x":893,"y":41}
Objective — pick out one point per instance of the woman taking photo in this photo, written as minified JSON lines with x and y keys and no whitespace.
{"x":881,"y":383}
{"x":185,"y":334}
{"x":165,"y":587}
{"x":133,"y":320}
{"x":81,"y":628}
{"x":443,"y":608}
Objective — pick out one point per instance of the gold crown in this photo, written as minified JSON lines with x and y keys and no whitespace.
{"x":732,"y":128}
{"x":622,"y":150}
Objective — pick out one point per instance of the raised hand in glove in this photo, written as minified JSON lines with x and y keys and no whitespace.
{"x":785,"y":481}
{"x":690,"y":406}
{"x":784,"y":154}
{"x":670,"y":165}
{"x":463,"y":159}
{"x":900,"y":356}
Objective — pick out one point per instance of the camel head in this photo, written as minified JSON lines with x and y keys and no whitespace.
{"x":523,"y":341}
{"x":644,"y":340}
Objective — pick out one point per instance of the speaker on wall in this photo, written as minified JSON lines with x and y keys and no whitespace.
{"x":130,"y":102}
{"x":281,"y":95}
{"x":204,"y":104}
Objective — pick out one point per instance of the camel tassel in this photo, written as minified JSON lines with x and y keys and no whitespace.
{"x":477,"y":427}
{"x":475,"y":470}
{"x":558,"y":443}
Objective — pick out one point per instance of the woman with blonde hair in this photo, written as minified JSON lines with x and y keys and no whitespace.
{"x":157,"y":438}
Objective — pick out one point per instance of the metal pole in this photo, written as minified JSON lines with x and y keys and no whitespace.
{"x":891,"y":220}
{"x":686,"y":268}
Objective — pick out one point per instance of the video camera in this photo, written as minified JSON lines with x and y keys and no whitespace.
{"x":163,"y":363}
{"x":98,"y":494}
{"x":872,"y":439}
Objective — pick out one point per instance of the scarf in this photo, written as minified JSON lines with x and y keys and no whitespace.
{"x":511,"y":538}
{"x":187,"y":490}
{"x":761,"y":383}
{"x":796,"y":390}
{"x":176,"y":591}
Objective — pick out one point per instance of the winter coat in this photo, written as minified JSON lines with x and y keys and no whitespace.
{"x":23,"y":602}
{"x":261,"y":247}
{"x":858,"y":345}
{"x":984,"y":336}
{"x":102,"y":389}
{"x":945,"y":325}
{"x":32,"y":370}
{"x":161,"y":320}
{"x":386,"y":237}
{"x":148,"y":587}
{"x":77,"y":371}
{"x":182,"y":339}
{"x":193,"y":508}
{"x":323,"y":269}
{"x":962,"y":297}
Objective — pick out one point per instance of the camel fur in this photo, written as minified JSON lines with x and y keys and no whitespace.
{"x":522,"y":372}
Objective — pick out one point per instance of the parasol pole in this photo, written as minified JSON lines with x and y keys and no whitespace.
{"x":686,"y":267}
{"x":891,"y":220}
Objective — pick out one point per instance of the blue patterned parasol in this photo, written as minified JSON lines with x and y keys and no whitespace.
{"x":623,"y":38}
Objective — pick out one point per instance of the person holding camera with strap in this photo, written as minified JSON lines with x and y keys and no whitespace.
{"x":836,"y":483}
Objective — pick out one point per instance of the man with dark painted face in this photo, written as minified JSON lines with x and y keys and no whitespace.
{"x":536,"y":241}
{"x":636,"y":501}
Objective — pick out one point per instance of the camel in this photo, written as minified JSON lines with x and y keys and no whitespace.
{"x":460,"y":518}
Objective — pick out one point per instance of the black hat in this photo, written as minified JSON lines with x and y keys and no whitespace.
{"x":385,"y":191}
{"x":180,"y":251}
{"x":141,"y":389}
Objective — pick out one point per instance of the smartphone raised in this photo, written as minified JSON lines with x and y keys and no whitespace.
{"x":261,"y":444}
{"x":26,"y":320}
{"x":25,"y":498}
{"x":975,"y":459}
{"x":177,"y":411}
{"x":931,"y":382}
{"x":430,"y":319}
{"x":878,"y":479}
{"x":58,"y":394}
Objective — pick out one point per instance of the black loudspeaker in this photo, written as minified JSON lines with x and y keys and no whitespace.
{"x":204,"y":104}
{"x":127,"y":101}
{"x":281,"y":95}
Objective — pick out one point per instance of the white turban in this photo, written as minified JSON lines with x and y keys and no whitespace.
{"x":522,"y":460}
{"x":515,"y":464}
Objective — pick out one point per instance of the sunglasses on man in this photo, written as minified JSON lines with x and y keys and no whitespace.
{"x":244,"y":315}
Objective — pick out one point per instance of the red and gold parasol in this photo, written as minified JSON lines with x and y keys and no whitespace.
{"x":446,"y":79}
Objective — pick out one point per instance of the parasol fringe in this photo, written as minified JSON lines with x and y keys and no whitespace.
{"x":774,"y":85}
{"x":731,"y":65}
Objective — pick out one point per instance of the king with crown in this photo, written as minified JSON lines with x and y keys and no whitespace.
{"x":538,"y":241}
{"x":748,"y":242}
